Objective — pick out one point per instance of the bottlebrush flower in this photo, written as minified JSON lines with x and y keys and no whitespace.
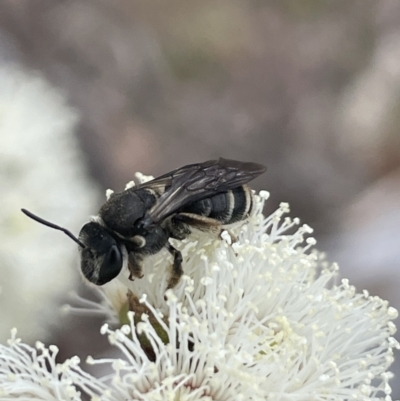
{"x":257,"y":319}
{"x":28,"y":373}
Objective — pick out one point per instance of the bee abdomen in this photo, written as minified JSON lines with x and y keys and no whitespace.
{"x":241,"y":204}
{"x":227,"y":207}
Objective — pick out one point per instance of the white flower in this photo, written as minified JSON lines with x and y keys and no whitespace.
{"x":28,"y":373}
{"x":257,"y":319}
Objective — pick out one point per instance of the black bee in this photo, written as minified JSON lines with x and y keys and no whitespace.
{"x":140,"y":220}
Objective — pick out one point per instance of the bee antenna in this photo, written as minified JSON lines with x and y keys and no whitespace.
{"x":51,"y":225}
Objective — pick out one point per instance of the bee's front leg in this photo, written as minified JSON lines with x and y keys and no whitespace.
{"x":135,"y":262}
{"x":177,"y":270}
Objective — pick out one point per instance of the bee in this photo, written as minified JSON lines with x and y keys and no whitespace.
{"x":140,"y":220}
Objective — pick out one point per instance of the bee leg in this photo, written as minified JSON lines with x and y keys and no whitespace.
{"x":234,"y":237}
{"x":178,"y":229}
{"x":202,"y":223}
{"x":177,"y":270}
{"x":134,"y":266}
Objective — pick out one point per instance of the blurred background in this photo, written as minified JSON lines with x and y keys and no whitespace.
{"x":92,"y":91}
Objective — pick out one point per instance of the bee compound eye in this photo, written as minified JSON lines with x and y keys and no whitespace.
{"x":111,"y":266}
{"x":114,"y":257}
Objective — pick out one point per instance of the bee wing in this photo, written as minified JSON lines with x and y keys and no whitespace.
{"x":198,"y":181}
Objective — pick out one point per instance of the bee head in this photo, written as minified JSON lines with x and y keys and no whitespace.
{"x":102,"y":255}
